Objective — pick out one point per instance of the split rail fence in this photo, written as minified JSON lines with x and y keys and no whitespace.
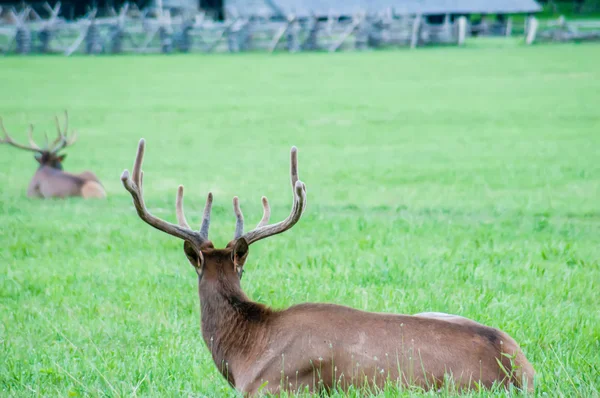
{"x":131,"y":30}
{"x":561,"y":30}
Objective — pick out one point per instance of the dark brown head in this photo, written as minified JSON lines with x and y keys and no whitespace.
{"x":48,"y":155}
{"x":47,"y":158}
{"x":214,"y":265}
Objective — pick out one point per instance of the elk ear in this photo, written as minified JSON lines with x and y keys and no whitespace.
{"x":239,"y":255}
{"x":195,"y":257}
{"x":61,"y":158}
{"x":38,"y":157}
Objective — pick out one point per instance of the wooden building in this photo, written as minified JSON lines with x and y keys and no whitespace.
{"x":117,"y":26}
{"x":323,"y":8}
{"x":220,"y":9}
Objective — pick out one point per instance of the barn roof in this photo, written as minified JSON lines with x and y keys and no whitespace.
{"x":348,"y":7}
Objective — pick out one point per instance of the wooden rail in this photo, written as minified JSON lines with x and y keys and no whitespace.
{"x":131,"y":30}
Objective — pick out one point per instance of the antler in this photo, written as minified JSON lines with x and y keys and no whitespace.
{"x":8,"y":139}
{"x":263,"y":230}
{"x":62,"y":141}
{"x":183,"y":230}
{"x":239,"y":224}
{"x":134,"y":186}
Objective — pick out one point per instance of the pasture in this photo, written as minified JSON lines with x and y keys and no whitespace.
{"x":464,"y":181}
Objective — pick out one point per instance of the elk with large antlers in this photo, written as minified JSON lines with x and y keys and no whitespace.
{"x":50,"y":181}
{"x":323,"y":346}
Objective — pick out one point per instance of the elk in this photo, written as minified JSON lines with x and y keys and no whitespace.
{"x":321,"y":347}
{"x":50,"y":181}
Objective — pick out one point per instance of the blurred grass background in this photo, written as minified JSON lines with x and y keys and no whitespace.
{"x":455,"y":180}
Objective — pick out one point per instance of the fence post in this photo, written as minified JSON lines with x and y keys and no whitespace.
{"x":462,"y":30}
{"x":233,"y":38}
{"x":311,"y":42}
{"x":363,"y":33}
{"x":184,"y":39}
{"x":509,"y":24}
{"x":117,"y":31}
{"x":93,"y":42}
{"x":166,"y":43}
{"x":532,"y":27}
{"x":238,"y":35}
{"x":117,"y":35}
{"x":292,"y":36}
{"x":23,"y":40}
{"x":414,"y":38}
{"x":45,"y":36}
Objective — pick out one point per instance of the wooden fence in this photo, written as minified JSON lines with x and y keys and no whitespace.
{"x":131,"y":30}
{"x":561,"y":30}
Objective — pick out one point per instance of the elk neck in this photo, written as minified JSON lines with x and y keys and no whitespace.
{"x":50,"y":168}
{"x":233,"y":326}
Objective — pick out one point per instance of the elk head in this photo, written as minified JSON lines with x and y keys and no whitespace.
{"x":225,"y":265}
{"x":48,"y":155}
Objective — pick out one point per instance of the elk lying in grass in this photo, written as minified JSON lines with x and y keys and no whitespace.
{"x":50,"y":181}
{"x":323,"y":346}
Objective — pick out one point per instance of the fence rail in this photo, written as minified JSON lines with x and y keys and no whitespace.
{"x":131,"y":30}
{"x":563,"y":30}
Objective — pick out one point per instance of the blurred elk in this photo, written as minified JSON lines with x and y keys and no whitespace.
{"x":321,"y":347}
{"x":50,"y":181}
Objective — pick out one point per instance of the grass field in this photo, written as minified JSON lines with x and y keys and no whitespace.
{"x":464,"y":181}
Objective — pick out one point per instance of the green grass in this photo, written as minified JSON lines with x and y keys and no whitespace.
{"x":569,"y":9}
{"x":464,"y":181}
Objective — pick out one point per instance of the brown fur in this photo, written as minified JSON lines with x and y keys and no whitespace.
{"x":522,"y":371}
{"x":93,"y":189}
{"x":49,"y":182}
{"x":322,"y":346}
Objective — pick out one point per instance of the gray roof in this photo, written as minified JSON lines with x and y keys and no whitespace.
{"x":347,"y":7}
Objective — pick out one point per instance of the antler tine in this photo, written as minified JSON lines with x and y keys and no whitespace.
{"x":299,"y":189}
{"x":239,"y":218}
{"x":179,"y":208}
{"x":137,"y":163}
{"x":294,"y":166}
{"x":134,"y":187}
{"x":266,"y":213}
{"x":6,"y":136}
{"x":31,"y":141}
{"x":304,"y":189}
{"x":7,"y":139}
{"x":206,"y":216}
{"x":66,"y":123}
{"x":62,"y":141}
{"x":73,"y":138}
